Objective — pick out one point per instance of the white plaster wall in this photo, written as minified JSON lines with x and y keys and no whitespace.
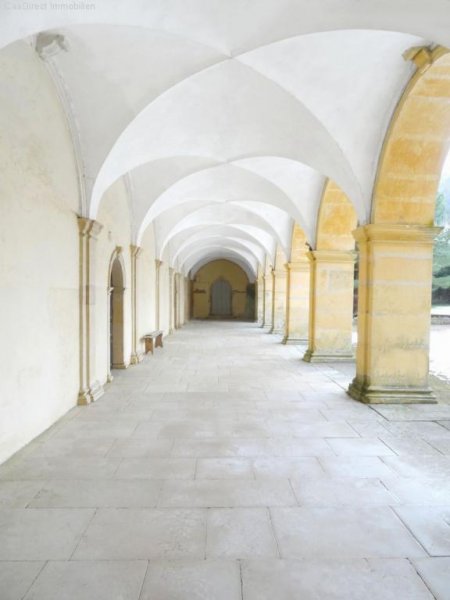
{"x":38,"y":253}
{"x":114,"y":215}
{"x":146,"y":277}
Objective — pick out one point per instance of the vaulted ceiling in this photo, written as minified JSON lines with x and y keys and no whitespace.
{"x":225,"y":117}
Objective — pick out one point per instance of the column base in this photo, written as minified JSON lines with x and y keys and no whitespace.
{"x":278,"y":331}
{"x":294,"y":341}
{"x":91,"y":394}
{"x":386,"y":395}
{"x":136,"y":358}
{"x":121,"y":365}
{"x":326,"y":357}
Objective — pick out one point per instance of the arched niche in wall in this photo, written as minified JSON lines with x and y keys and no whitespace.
{"x":116,"y":288}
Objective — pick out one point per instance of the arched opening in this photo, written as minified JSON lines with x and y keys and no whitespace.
{"x":221,"y":289}
{"x":441,"y":254}
{"x":116,"y":314}
{"x":440,"y":312}
{"x":221,"y":294}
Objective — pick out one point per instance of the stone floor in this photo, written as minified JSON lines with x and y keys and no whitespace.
{"x":225,"y":468}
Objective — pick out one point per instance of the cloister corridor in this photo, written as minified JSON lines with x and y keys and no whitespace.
{"x":226,"y":466}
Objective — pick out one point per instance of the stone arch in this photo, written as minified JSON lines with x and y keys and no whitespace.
{"x":336,"y":220}
{"x":416,"y":144}
{"x":116,"y":317}
{"x":207,"y":276}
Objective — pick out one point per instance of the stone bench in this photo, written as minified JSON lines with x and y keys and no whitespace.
{"x":153,"y":340}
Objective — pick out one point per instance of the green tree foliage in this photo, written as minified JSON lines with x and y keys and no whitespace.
{"x":441,"y":253}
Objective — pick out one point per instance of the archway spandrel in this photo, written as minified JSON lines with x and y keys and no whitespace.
{"x":337,"y":219}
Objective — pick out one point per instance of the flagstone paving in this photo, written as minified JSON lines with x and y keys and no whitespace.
{"x":225,"y":468}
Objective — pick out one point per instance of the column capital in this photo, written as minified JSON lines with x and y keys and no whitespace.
{"x":331,"y":256}
{"x":298,"y":265}
{"x":135,"y":251}
{"x":89,"y":227}
{"x":424,"y":56}
{"x":158,"y":262}
{"x":396,"y":233}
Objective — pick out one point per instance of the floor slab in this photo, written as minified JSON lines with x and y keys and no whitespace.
{"x":392,"y":579}
{"x":133,"y":534}
{"x":80,"y":580}
{"x":196,"y":580}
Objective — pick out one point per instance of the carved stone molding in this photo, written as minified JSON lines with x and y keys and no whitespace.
{"x":90,"y":388}
{"x":136,"y":354}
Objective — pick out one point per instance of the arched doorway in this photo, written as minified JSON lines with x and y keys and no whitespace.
{"x":116,"y":314}
{"x":221,"y":298}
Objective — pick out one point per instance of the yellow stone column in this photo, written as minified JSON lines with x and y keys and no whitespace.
{"x":90,"y":388}
{"x":297,"y":302}
{"x":279,"y":300}
{"x":136,"y":352}
{"x":394,"y":303}
{"x":268,"y":293}
{"x":330,"y":306}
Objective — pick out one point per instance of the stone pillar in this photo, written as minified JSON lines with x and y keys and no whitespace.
{"x":261,"y":299}
{"x":90,"y":388}
{"x":158,"y":264}
{"x":394,"y":304}
{"x":268,"y":303}
{"x":330,"y":306}
{"x":297,"y":302}
{"x":136,"y":353}
{"x":279,"y":300}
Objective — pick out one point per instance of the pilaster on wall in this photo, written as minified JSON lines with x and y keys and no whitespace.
{"x":158,"y":264}
{"x":136,"y":352}
{"x":297,"y":302}
{"x":187,"y":299}
{"x":90,"y":388}
{"x":394,"y":303}
{"x":261,"y":299}
{"x":330,"y":305}
{"x":176,"y":300}
{"x":171,"y":299}
{"x":268,"y":299}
